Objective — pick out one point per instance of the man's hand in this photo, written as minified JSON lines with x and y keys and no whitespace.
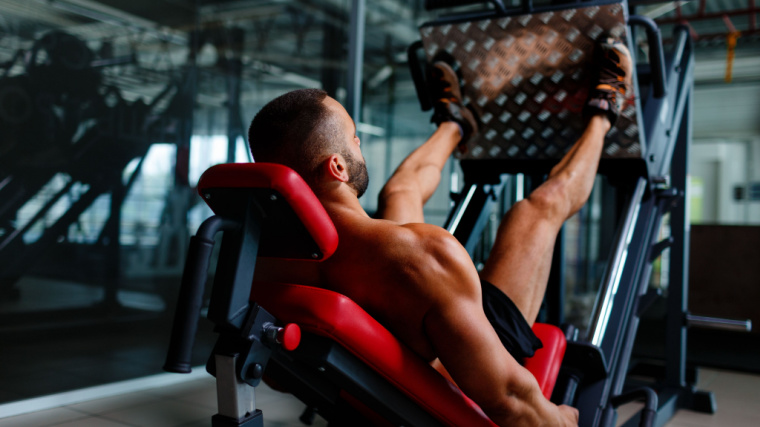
{"x":568,"y":415}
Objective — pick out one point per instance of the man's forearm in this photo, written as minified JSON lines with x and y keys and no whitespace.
{"x":529,"y":408}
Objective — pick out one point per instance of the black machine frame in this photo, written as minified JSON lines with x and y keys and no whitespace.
{"x":595,"y":372}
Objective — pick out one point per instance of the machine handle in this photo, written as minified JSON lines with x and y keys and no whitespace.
{"x":442,"y":4}
{"x":191,"y":292}
{"x":417,"y":69}
{"x":656,"y":56}
{"x":649,"y":412}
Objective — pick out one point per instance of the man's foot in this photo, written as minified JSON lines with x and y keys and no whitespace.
{"x":447,"y":101}
{"x":615,"y":69}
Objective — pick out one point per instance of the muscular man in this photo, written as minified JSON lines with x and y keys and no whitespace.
{"x":417,"y":279}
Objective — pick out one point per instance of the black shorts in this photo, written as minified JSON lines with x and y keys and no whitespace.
{"x":509,"y":323}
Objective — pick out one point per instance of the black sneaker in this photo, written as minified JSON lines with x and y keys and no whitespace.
{"x":615,"y":67}
{"x":447,"y":101}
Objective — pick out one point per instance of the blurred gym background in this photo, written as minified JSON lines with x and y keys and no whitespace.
{"x":111,"y":109}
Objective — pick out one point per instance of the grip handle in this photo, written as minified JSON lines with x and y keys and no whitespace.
{"x":417,"y":64}
{"x":194,"y":276}
{"x":656,"y":56}
{"x":442,"y":4}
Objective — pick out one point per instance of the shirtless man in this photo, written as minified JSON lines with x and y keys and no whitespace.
{"x":417,"y":279}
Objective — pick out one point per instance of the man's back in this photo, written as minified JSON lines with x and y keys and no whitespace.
{"x":392,"y":271}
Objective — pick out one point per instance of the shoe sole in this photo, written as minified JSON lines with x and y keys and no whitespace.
{"x":450,"y":76}
{"x":625,"y":63}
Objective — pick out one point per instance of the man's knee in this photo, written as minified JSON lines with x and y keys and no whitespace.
{"x":548,"y":202}
{"x":393,"y":186}
{"x":396,"y":188}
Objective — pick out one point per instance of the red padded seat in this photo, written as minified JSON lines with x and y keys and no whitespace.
{"x":337,"y":317}
{"x":545,"y":363}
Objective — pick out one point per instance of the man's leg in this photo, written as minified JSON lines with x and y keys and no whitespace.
{"x":416,"y":179}
{"x":520,"y":261}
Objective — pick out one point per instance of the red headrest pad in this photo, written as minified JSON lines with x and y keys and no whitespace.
{"x":285,"y":181}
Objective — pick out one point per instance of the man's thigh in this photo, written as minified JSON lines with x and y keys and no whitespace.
{"x":520,"y":260}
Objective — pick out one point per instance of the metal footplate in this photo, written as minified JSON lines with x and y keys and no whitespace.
{"x":527,"y":77}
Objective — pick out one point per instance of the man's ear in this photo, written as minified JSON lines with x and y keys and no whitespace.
{"x":336,"y":168}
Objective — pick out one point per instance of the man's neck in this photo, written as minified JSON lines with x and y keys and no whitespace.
{"x":342,"y":205}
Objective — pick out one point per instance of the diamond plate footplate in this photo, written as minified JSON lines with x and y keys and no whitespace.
{"x":527,"y":77}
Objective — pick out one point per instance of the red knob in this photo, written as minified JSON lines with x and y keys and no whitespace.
{"x":289,"y":336}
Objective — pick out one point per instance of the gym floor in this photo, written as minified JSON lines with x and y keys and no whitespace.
{"x":106,"y":373}
{"x":169,"y":400}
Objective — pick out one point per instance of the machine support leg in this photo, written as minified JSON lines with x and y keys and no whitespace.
{"x":678,"y":294}
{"x":675,"y":358}
{"x":236,"y":400}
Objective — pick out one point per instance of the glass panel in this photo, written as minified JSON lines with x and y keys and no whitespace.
{"x":724,"y":183}
{"x":109,"y":113}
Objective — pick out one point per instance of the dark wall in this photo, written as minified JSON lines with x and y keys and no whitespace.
{"x":724,"y":272}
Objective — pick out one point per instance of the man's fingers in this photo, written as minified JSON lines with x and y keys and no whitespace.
{"x":570,"y":413}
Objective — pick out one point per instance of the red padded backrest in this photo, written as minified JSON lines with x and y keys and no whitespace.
{"x":240,"y":181}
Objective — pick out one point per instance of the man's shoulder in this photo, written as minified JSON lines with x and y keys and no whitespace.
{"x":411,"y":242}
{"x":417,"y":233}
{"x":431,"y":256}
{"x":432,"y":235}
{"x":425,"y":242}
{"x":418,"y":258}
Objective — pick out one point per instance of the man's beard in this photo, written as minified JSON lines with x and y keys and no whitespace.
{"x":358,"y":178}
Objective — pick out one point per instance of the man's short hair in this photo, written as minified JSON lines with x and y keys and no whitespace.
{"x":296,"y":130}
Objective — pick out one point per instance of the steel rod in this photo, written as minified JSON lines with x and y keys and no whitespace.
{"x":718,"y":323}
{"x":356,"y":59}
{"x":750,"y":11}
